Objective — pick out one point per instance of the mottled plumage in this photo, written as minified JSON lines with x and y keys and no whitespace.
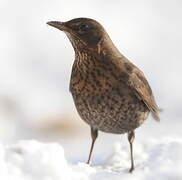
{"x":110,"y":93}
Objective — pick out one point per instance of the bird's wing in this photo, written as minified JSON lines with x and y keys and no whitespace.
{"x":135,"y":79}
{"x":138,"y":82}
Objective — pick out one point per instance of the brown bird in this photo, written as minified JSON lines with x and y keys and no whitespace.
{"x":110,"y":93}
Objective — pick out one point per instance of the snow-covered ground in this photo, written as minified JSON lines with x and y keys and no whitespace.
{"x":33,"y":160}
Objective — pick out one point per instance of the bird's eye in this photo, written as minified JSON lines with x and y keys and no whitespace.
{"x":83,"y":28}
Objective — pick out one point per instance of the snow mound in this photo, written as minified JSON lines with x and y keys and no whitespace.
{"x":158,"y":159}
{"x":32,"y":160}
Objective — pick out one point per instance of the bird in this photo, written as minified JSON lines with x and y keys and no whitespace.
{"x":110,"y":93}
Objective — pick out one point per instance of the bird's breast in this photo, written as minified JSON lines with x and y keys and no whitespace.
{"x":93,"y":76}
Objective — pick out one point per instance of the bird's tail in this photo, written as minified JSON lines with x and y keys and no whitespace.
{"x":155,"y":114}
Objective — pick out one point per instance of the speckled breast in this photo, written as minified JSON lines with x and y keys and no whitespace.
{"x":112,"y":111}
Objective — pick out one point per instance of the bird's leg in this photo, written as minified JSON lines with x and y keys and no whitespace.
{"x":94,"y":134}
{"x":131,"y":137}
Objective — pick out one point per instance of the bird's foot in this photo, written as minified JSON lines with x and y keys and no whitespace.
{"x":131,"y":169}
{"x":88,"y":162}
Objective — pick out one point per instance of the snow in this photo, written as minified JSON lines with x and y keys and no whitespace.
{"x":33,"y":160}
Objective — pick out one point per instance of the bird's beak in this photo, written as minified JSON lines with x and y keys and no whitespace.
{"x":59,"y":25}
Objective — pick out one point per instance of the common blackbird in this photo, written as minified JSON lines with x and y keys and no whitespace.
{"x":110,"y":93}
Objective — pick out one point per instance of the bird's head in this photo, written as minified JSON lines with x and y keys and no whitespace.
{"x":82,"y":32}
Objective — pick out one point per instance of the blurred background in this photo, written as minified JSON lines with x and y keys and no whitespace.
{"x":36,"y":61}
